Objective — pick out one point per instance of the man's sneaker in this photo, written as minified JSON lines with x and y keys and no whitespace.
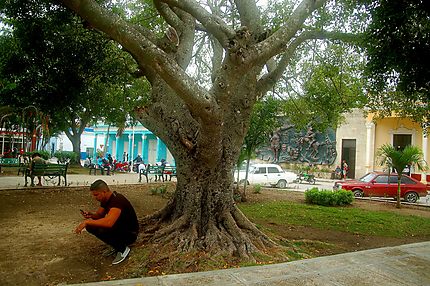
{"x":108,"y":252}
{"x":121,"y":256}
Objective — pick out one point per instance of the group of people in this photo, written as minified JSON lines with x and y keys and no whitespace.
{"x":342,"y":171}
{"x":109,"y":164}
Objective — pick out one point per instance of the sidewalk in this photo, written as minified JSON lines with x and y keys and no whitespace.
{"x":401,"y":265}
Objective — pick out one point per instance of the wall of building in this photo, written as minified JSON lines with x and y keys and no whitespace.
{"x":133,"y":141}
{"x":387,"y":127}
{"x":370,"y":134}
{"x":353,"y":128}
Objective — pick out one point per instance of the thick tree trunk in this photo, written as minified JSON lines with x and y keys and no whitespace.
{"x":202,"y":215}
{"x":76,"y":143}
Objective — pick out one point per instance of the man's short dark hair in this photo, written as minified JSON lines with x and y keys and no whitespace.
{"x":99,"y":185}
{"x":36,"y":154}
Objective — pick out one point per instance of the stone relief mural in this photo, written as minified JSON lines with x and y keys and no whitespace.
{"x":288,"y":145}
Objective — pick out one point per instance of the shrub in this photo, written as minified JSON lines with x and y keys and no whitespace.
{"x":257,"y":189}
{"x":160,"y":190}
{"x":237,"y":197}
{"x":329,"y":198}
{"x":65,"y":156}
{"x":43,"y":153}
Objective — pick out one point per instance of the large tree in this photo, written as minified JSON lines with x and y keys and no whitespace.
{"x":204,"y":125}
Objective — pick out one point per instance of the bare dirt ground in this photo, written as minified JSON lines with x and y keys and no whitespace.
{"x":38,"y":245}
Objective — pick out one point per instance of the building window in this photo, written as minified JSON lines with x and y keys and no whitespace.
{"x":400,"y":141}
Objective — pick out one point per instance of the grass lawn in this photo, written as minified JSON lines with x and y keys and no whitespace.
{"x":345,"y":219}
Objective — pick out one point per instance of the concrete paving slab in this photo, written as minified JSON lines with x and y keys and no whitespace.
{"x":405,"y":265}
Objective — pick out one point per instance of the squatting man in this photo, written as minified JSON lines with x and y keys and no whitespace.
{"x":115,"y":221}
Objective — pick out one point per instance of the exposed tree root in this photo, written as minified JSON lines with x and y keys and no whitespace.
{"x":231,"y":234}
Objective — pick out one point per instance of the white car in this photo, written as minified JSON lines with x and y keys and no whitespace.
{"x":267,"y":175}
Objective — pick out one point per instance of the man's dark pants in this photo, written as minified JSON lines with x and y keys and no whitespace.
{"x":114,"y":237}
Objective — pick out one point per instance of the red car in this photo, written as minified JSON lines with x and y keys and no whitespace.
{"x":378,"y":184}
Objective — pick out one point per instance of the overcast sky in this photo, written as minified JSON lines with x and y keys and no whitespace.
{"x":262,"y":3}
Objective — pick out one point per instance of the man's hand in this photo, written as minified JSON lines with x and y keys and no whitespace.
{"x":86,"y":214}
{"x":80,"y":227}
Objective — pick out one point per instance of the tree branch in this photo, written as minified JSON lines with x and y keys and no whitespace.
{"x":274,"y":44}
{"x":249,"y":15}
{"x":214,"y":25}
{"x":186,"y":40}
{"x":216,"y":58}
{"x":148,"y":55}
{"x":270,"y":79}
{"x":168,"y":15}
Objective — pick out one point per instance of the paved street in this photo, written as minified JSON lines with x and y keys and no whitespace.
{"x":17,"y":182}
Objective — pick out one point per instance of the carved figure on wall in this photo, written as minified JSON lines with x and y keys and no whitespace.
{"x":314,"y":149}
{"x":309,"y":137}
{"x":331,"y":148}
{"x":300,"y":146}
{"x":274,"y":145}
{"x":294,"y":153}
{"x":283,"y":154}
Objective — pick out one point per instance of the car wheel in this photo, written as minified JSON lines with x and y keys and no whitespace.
{"x":312,"y":181}
{"x":282,"y":184}
{"x":358,"y":193}
{"x":411,"y":197}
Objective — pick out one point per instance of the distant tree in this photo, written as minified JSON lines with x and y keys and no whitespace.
{"x":58,"y":64}
{"x":398,"y":160}
{"x":397,"y":43}
{"x":264,"y":120}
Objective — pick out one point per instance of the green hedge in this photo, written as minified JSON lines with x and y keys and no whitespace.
{"x":43,"y":153}
{"x":65,"y":156}
{"x":329,"y":198}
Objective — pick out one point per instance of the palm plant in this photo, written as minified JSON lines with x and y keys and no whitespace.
{"x":399,"y":160}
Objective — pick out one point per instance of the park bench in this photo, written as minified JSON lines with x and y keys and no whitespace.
{"x":47,"y":170}
{"x":94,"y":168}
{"x":11,"y":162}
{"x":169,"y":171}
{"x":157,"y":171}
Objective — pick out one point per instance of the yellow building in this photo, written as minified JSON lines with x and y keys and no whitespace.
{"x":361,"y":135}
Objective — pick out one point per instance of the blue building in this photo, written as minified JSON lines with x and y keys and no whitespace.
{"x":133,"y":141}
